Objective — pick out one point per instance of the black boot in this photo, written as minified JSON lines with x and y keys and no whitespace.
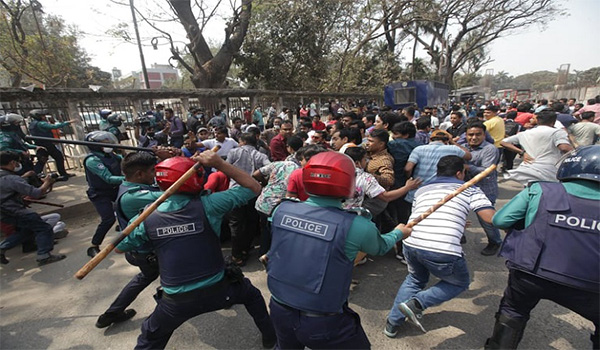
{"x":507,"y":333}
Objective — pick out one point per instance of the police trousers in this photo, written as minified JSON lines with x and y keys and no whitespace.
{"x":296,"y":329}
{"x":525,"y":290}
{"x":174,"y":310}
{"x":148,"y":273}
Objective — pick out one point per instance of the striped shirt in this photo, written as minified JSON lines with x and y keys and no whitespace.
{"x":442,"y":230}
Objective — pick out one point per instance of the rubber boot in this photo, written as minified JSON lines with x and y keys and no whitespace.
{"x":507,"y":333}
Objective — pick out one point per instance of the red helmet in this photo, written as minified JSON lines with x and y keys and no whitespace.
{"x":170,"y":170}
{"x":329,"y":174}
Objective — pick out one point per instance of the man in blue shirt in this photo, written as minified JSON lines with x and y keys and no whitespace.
{"x":483,"y":155}
{"x":192,"y":271}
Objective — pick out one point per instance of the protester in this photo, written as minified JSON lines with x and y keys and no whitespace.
{"x":434,"y":245}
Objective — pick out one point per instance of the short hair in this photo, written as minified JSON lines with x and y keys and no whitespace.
{"x":492,"y":108}
{"x":543,"y":102}
{"x":221,"y":130}
{"x":390,"y":118}
{"x":511,"y":115}
{"x":235,"y":119}
{"x":295,"y":143}
{"x":312,"y":150}
{"x":287,"y":121}
{"x":591,"y":101}
{"x":559,"y":107}
{"x":370,"y":118}
{"x":352,"y":134}
{"x":588,"y":115}
{"x":306,"y":125}
{"x":450,"y":165}
{"x":405,"y":128}
{"x":455,"y":107}
{"x":423,"y":123}
{"x":8,"y":156}
{"x":169,"y":110}
{"x":410,"y":111}
{"x":356,"y":153}
{"x":459,"y":114}
{"x":137,"y":161}
{"x":524,"y":107}
{"x":476,"y":124}
{"x":351,"y":115}
{"x":302,"y":135}
{"x":381,"y":135}
{"x":249,"y":138}
{"x":546,"y":117}
{"x":359,"y":123}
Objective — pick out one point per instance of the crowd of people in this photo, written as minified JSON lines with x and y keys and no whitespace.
{"x":330,"y":184}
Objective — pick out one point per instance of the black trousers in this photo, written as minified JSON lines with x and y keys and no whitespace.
{"x":243,"y":222}
{"x":58,"y":157}
{"x":525,"y":290}
{"x":172,"y":311}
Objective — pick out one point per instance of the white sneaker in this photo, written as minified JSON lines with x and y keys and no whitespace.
{"x":401,"y":258}
{"x":362,"y":261}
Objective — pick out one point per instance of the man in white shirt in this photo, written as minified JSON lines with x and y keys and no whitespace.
{"x":434,"y":246}
{"x":221,"y":139}
{"x":542,"y":148}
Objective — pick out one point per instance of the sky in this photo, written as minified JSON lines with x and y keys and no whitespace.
{"x":570,"y":39}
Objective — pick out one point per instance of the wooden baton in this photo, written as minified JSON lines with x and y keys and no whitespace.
{"x":90,"y":265}
{"x":482,"y":175}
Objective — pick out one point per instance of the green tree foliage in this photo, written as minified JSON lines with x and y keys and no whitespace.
{"x":39,"y":48}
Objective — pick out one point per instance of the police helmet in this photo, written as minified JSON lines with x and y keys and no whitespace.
{"x":170,"y":170}
{"x":114,"y":120}
{"x":38,"y":113}
{"x":143,"y":121}
{"x":10,"y":118}
{"x":329,"y":174}
{"x":102,"y":137}
{"x":105,"y":112}
{"x":582,"y":163}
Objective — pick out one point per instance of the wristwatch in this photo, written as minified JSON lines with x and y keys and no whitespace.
{"x":522,"y":153}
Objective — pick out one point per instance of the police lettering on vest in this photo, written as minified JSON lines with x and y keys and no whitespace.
{"x":575,"y":222}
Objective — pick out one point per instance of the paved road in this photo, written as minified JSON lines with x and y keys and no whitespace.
{"x":46,"y":308}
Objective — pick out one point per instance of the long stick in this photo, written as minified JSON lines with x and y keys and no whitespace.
{"x":482,"y":175}
{"x":44,"y":203}
{"x":151,"y":208}
{"x":85,"y":143}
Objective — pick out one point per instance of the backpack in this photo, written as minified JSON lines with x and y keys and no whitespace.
{"x":511,"y":127}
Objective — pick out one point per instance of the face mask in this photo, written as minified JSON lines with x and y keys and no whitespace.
{"x":107,"y":149}
{"x":18,"y":168}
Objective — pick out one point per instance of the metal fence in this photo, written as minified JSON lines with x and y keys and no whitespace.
{"x":83,"y":106}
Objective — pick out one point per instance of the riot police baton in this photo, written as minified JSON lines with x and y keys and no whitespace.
{"x":85,"y":143}
{"x":90,"y":265}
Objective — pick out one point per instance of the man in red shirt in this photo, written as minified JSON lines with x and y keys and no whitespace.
{"x":317,"y":124}
{"x":279,"y":142}
{"x":523,"y":115}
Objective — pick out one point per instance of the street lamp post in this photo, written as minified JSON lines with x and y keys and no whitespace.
{"x":137,"y":35}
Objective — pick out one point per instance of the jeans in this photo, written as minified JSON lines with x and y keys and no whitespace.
{"x":450,"y":269}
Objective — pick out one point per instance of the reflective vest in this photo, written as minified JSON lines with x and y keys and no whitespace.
{"x":563,"y":242}
{"x":188,"y":249}
{"x":308,"y":268}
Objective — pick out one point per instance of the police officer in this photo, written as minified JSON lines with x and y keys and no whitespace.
{"x":135,"y":193}
{"x":103,"y":124}
{"x":40,"y":127}
{"x":310,"y":285}
{"x":103,"y":174}
{"x":552,"y":251}
{"x":184,"y":232}
{"x":12,"y":139}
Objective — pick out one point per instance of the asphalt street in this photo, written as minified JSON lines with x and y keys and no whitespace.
{"x":47,"y":308}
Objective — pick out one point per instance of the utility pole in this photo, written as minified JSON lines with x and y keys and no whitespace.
{"x":137,"y":35}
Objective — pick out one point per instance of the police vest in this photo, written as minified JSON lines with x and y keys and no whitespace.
{"x":123,"y":219}
{"x":308,"y":267}
{"x":36,"y":131}
{"x":96,"y":183}
{"x":562,"y":244}
{"x":188,"y":249}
